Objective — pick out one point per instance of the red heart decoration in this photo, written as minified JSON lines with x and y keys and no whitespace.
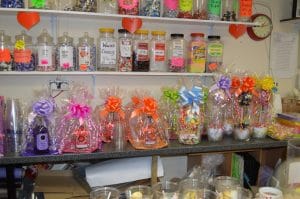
{"x":132,"y":24}
{"x":237,"y":30}
{"x":28,"y":19}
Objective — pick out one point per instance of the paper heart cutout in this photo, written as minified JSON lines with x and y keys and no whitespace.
{"x":28,"y":19}
{"x":237,"y":30}
{"x":132,"y":24}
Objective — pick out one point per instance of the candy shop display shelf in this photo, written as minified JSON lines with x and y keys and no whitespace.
{"x":173,"y":149}
{"x":117,"y":17}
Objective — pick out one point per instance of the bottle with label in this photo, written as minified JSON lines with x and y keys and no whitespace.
{"x":196,"y":53}
{"x":158,"y":51}
{"x":200,"y":9}
{"x":170,"y":8}
{"x":141,"y":51}
{"x":128,"y":7}
{"x":214,"y":9}
{"x":124,"y":51}
{"x":229,"y":10}
{"x":245,"y":10}
{"x":214,"y":53}
{"x":108,"y":6}
{"x":107,"y":50}
{"x":185,"y":9}
{"x":41,"y":136}
{"x":65,"y":53}
{"x":24,"y":53}
{"x":5,"y":52}
{"x":86,"y":53}
{"x":45,"y":52}
{"x":150,"y":8}
{"x":12,"y":4}
{"x":177,"y":53}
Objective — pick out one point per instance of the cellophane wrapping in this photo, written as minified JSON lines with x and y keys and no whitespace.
{"x":1,"y":126}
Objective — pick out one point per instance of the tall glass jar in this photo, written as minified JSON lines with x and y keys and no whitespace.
{"x":196,"y":53}
{"x":67,"y":5}
{"x":85,"y":6}
{"x":12,"y":4}
{"x":245,"y":10}
{"x":141,"y":51}
{"x":24,"y":53}
{"x":124,"y":51}
{"x":177,"y":53}
{"x":108,"y":6}
{"x":229,"y":10}
{"x":150,"y":8}
{"x":5,"y":52}
{"x":185,"y":9}
{"x":214,"y":53}
{"x":214,"y":9}
{"x":65,"y":53}
{"x":107,"y":50}
{"x":49,"y":4}
{"x":170,"y":8}
{"x":128,"y":7}
{"x":86,"y":53}
{"x":200,"y":9}
{"x":158,"y":51}
{"x":45,"y":52}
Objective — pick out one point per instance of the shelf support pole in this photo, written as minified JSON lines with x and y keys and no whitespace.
{"x":154,"y":170}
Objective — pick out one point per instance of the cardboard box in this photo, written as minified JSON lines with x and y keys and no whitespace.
{"x":59,"y":185}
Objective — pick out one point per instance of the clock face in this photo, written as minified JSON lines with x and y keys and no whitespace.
{"x":261,"y":32}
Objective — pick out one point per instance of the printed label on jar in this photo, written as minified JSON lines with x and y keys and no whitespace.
{"x":66,"y":57}
{"x":215,"y":50}
{"x":159,"y":52}
{"x":178,"y":49}
{"x":108,"y":52}
{"x":42,"y":142}
{"x":171,"y":4}
{"x":22,"y":56}
{"x":84,"y":57}
{"x":186,"y":5}
{"x":142,"y":52}
{"x":45,"y":55}
{"x":198,"y":53}
{"x":5,"y":55}
{"x":214,"y":7}
{"x":125,"y":48}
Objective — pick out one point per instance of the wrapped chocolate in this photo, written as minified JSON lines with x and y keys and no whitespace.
{"x":191,"y":118}
{"x":146,"y":128}
{"x":75,"y":126}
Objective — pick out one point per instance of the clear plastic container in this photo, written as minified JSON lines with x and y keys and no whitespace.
{"x":170,"y":8}
{"x":128,"y":7}
{"x":86,"y":53}
{"x":158,"y":54}
{"x":105,"y":193}
{"x":200,"y":9}
{"x":141,"y":51}
{"x":49,"y":4}
{"x":67,"y":5}
{"x":229,"y":10}
{"x":12,"y":3}
{"x":214,"y":8}
{"x":107,"y":50}
{"x":108,"y":7}
{"x":5,"y":52}
{"x":177,"y":53}
{"x":125,"y":51}
{"x":85,"y":5}
{"x":214,"y":53}
{"x":65,"y":53}
{"x":196,"y":53}
{"x":245,"y":10}
{"x":150,"y":8}
{"x":45,"y":52}
{"x":185,"y":9}
{"x":24,"y":53}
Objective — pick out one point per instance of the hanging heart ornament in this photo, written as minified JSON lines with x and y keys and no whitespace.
{"x":28,"y":19}
{"x":132,"y":24}
{"x":237,"y":30}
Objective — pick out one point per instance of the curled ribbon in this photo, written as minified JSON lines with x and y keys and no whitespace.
{"x":149,"y":108}
{"x":223,"y":83}
{"x":113,"y":104}
{"x":43,"y":107}
{"x":170,"y":94}
{"x":267,"y":83}
{"x":248,"y":85}
{"x":192,"y":97}
{"x":135,"y":101}
{"x":78,"y":111}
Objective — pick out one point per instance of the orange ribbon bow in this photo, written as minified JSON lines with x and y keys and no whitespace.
{"x":113,"y":105}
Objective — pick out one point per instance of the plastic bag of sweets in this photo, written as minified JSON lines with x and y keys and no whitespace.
{"x":75,"y":126}
{"x":40,"y":137}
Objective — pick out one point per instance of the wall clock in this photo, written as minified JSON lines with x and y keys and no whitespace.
{"x":258,"y":33}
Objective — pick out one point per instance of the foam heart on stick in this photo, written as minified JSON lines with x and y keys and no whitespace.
{"x":28,"y":19}
{"x":237,"y":30}
{"x":132,"y":24}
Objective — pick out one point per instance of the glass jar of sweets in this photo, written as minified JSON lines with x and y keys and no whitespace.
{"x":24,"y":53}
{"x":229,"y":10}
{"x":158,"y":51}
{"x":124,"y":51}
{"x":86,"y":53}
{"x":150,"y":8}
{"x":5,"y":52}
{"x":214,"y":9}
{"x":108,"y":6}
{"x":185,"y":9}
{"x":45,"y":52}
{"x":65,"y":53}
{"x":85,"y":6}
{"x":196,"y":53}
{"x":200,"y":9}
{"x":214,"y":53}
{"x":170,"y":8}
{"x":245,"y":10}
{"x":128,"y":7}
{"x":141,"y":57}
{"x":177,"y":53}
{"x":49,"y":4}
{"x":12,"y":4}
{"x":107,"y":50}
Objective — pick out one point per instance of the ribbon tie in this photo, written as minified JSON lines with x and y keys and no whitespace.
{"x":79,"y":111}
{"x":113,"y":105}
{"x":223,"y":83}
{"x":193,"y":97}
{"x":148,"y":108}
{"x":267,"y":83}
{"x":43,"y":107}
{"x":170,"y":94}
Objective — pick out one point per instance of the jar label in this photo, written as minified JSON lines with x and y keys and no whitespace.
{"x":245,"y":8}
{"x":5,"y":55}
{"x":159,"y":52}
{"x":108,"y":52}
{"x":186,"y":5}
{"x":214,"y":7}
{"x":171,"y":4}
{"x":42,"y":141}
{"x":84,"y":57}
{"x":45,"y":55}
{"x":22,"y":56}
{"x":178,"y":49}
{"x":197,"y":57}
{"x":125,"y":48}
{"x":66,"y":57}
{"x":215,"y":50}
{"x":142,"y":52}
{"x":128,"y":4}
